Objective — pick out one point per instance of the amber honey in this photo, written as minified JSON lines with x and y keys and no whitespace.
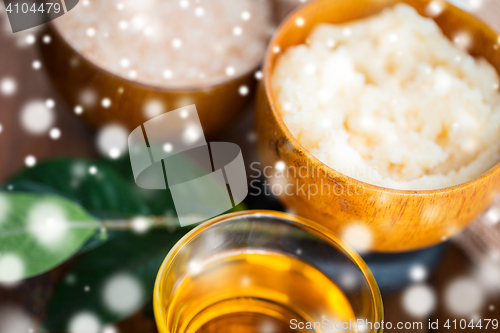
{"x":255,"y":291}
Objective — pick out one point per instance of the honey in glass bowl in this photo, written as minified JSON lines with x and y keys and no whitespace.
{"x":264,"y":271}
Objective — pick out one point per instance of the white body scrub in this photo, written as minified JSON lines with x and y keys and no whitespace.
{"x":170,"y":43}
{"x":391,"y":101}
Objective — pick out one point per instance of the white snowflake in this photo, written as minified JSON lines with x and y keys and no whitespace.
{"x":237,"y":31}
{"x":91,"y":32}
{"x":464,"y":296}
{"x":50,"y":103}
{"x":93,"y":170}
{"x":8,"y":86}
{"x":419,"y":300}
{"x":11,"y":269}
{"x":245,"y":16}
{"x":153,"y":108}
{"x":48,"y":224}
{"x":55,"y":133}
{"x":177,"y":43}
{"x":30,"y":39}
{"x":36,"y":65}
{"x":36,"y":117}
{"x":125,"y":63}
{"x":199,"y":11}
{"x":112,"y":140}
{"x":78,"y":110}
{"x":106,"y":102}
{"x":84,"y":322}
{"x":243,"y":90}
{"x":140,"y":224}
{"x":230,"y":71}
{"x":122,"y":293}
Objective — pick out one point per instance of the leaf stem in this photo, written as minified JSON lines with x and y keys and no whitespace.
{"x":168,"y":221}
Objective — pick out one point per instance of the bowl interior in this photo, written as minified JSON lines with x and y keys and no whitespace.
{"x":164,"y":88}
{"x":452,"y":21}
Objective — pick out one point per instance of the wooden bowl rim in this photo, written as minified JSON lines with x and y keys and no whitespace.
{"x":150,"y":87}
{"x":267,"y":74}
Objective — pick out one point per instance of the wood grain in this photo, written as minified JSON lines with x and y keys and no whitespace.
{"x":16,"y":143}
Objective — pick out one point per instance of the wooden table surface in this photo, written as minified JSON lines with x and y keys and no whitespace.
{"x":77,"y":139}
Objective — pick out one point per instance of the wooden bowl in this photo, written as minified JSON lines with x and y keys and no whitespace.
{"x":74,"y":76}
{"x":398,"y":220}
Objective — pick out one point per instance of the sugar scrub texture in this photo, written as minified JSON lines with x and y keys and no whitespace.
{"x":170,"y":43}
{"x":389,"y":100}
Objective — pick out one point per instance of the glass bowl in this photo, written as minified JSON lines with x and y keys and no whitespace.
{"x":264,"y":271}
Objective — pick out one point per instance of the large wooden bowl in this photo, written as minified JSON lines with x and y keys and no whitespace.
{"x":399,"y":220}
{"x":74,"y":76}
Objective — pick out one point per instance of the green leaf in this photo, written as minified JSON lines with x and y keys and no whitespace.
{"x":105,"y":194}
{"x":38,"y":232}
{"x":109,"y":193}
{"x":132,"y":255}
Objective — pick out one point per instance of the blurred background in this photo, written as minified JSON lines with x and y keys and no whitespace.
{"x":456,"y":280}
